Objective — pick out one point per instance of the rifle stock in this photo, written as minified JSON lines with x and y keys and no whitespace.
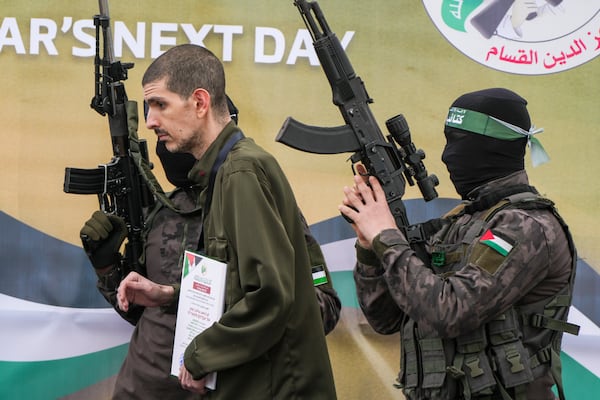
{"x":392,"y":165}
{"x":119,"y":184}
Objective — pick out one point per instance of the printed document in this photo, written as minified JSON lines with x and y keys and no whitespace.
{"x":201,"y":303}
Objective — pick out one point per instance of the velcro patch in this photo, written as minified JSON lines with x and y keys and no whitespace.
{"x":490,"y":251}
{"x":484,"y":257}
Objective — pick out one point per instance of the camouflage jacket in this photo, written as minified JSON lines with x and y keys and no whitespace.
{"x":485,"y":268}
{"x":145,"y":372}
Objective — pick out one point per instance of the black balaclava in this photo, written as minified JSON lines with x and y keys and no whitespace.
{"x":473,"y":159}
{"x":178,"y":165}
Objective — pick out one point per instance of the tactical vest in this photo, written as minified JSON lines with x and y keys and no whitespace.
{"x":502,"y":357}
{"x":166,"y":202}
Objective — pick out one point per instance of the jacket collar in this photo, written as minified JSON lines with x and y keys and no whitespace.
{"x":516,"y":178}
{"x":200,"y":172}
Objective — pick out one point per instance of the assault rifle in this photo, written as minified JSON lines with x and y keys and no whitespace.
{"x":119,"y":184}
{"x":392,"y":165}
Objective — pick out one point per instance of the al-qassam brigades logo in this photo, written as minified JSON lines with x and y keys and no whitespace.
{"x":529,"y":37}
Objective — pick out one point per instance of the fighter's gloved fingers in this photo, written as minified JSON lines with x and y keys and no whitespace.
{"x":97,"y":227}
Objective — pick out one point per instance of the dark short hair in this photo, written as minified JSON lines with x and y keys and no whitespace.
{"x":188,"y":67}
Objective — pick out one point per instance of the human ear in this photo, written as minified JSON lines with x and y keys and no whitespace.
{"x":201,"y":99}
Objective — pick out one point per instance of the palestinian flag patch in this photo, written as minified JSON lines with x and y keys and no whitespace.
{"x":493,"y":240}
{"x":318,"y":275}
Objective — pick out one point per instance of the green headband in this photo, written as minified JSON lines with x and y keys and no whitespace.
{"x":487,"y":125}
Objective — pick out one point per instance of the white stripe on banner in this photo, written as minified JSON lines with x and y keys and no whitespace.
{"x":584,"y":348}
{"x":340,"y":255}
{"x":39,"y":332}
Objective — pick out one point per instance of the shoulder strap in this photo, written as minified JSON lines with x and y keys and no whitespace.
{"x":236,"y":137}
{"x":489,"y":200}
{"x":523,"y":200}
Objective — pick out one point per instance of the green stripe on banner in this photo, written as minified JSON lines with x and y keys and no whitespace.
{"x":52,"y":379}
{"x":343,"y":283}
{"x":579,"y":382}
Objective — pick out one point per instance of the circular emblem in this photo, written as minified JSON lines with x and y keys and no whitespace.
{"x":529,"y":37}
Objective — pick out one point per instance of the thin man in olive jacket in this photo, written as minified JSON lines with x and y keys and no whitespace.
{"x":269,"y":343}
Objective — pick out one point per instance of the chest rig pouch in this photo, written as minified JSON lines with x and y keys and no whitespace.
{"x":502,"y":357}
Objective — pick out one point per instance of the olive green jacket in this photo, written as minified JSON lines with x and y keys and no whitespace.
{"x":269,"y":343}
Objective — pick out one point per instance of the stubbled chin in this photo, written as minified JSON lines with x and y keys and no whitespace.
{"x":172,"y":147}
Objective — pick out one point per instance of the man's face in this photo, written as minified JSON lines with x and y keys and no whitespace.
{"x":173,"y":119}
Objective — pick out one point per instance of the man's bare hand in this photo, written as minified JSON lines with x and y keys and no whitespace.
{"x":367,"y":207}
{"x":137,"y":289}
{"x":189,"y":383}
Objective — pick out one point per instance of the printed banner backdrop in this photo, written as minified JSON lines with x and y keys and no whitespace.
{"x":60,"y":339}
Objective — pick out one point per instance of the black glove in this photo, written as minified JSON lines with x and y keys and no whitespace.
{"x":102,"y":236}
